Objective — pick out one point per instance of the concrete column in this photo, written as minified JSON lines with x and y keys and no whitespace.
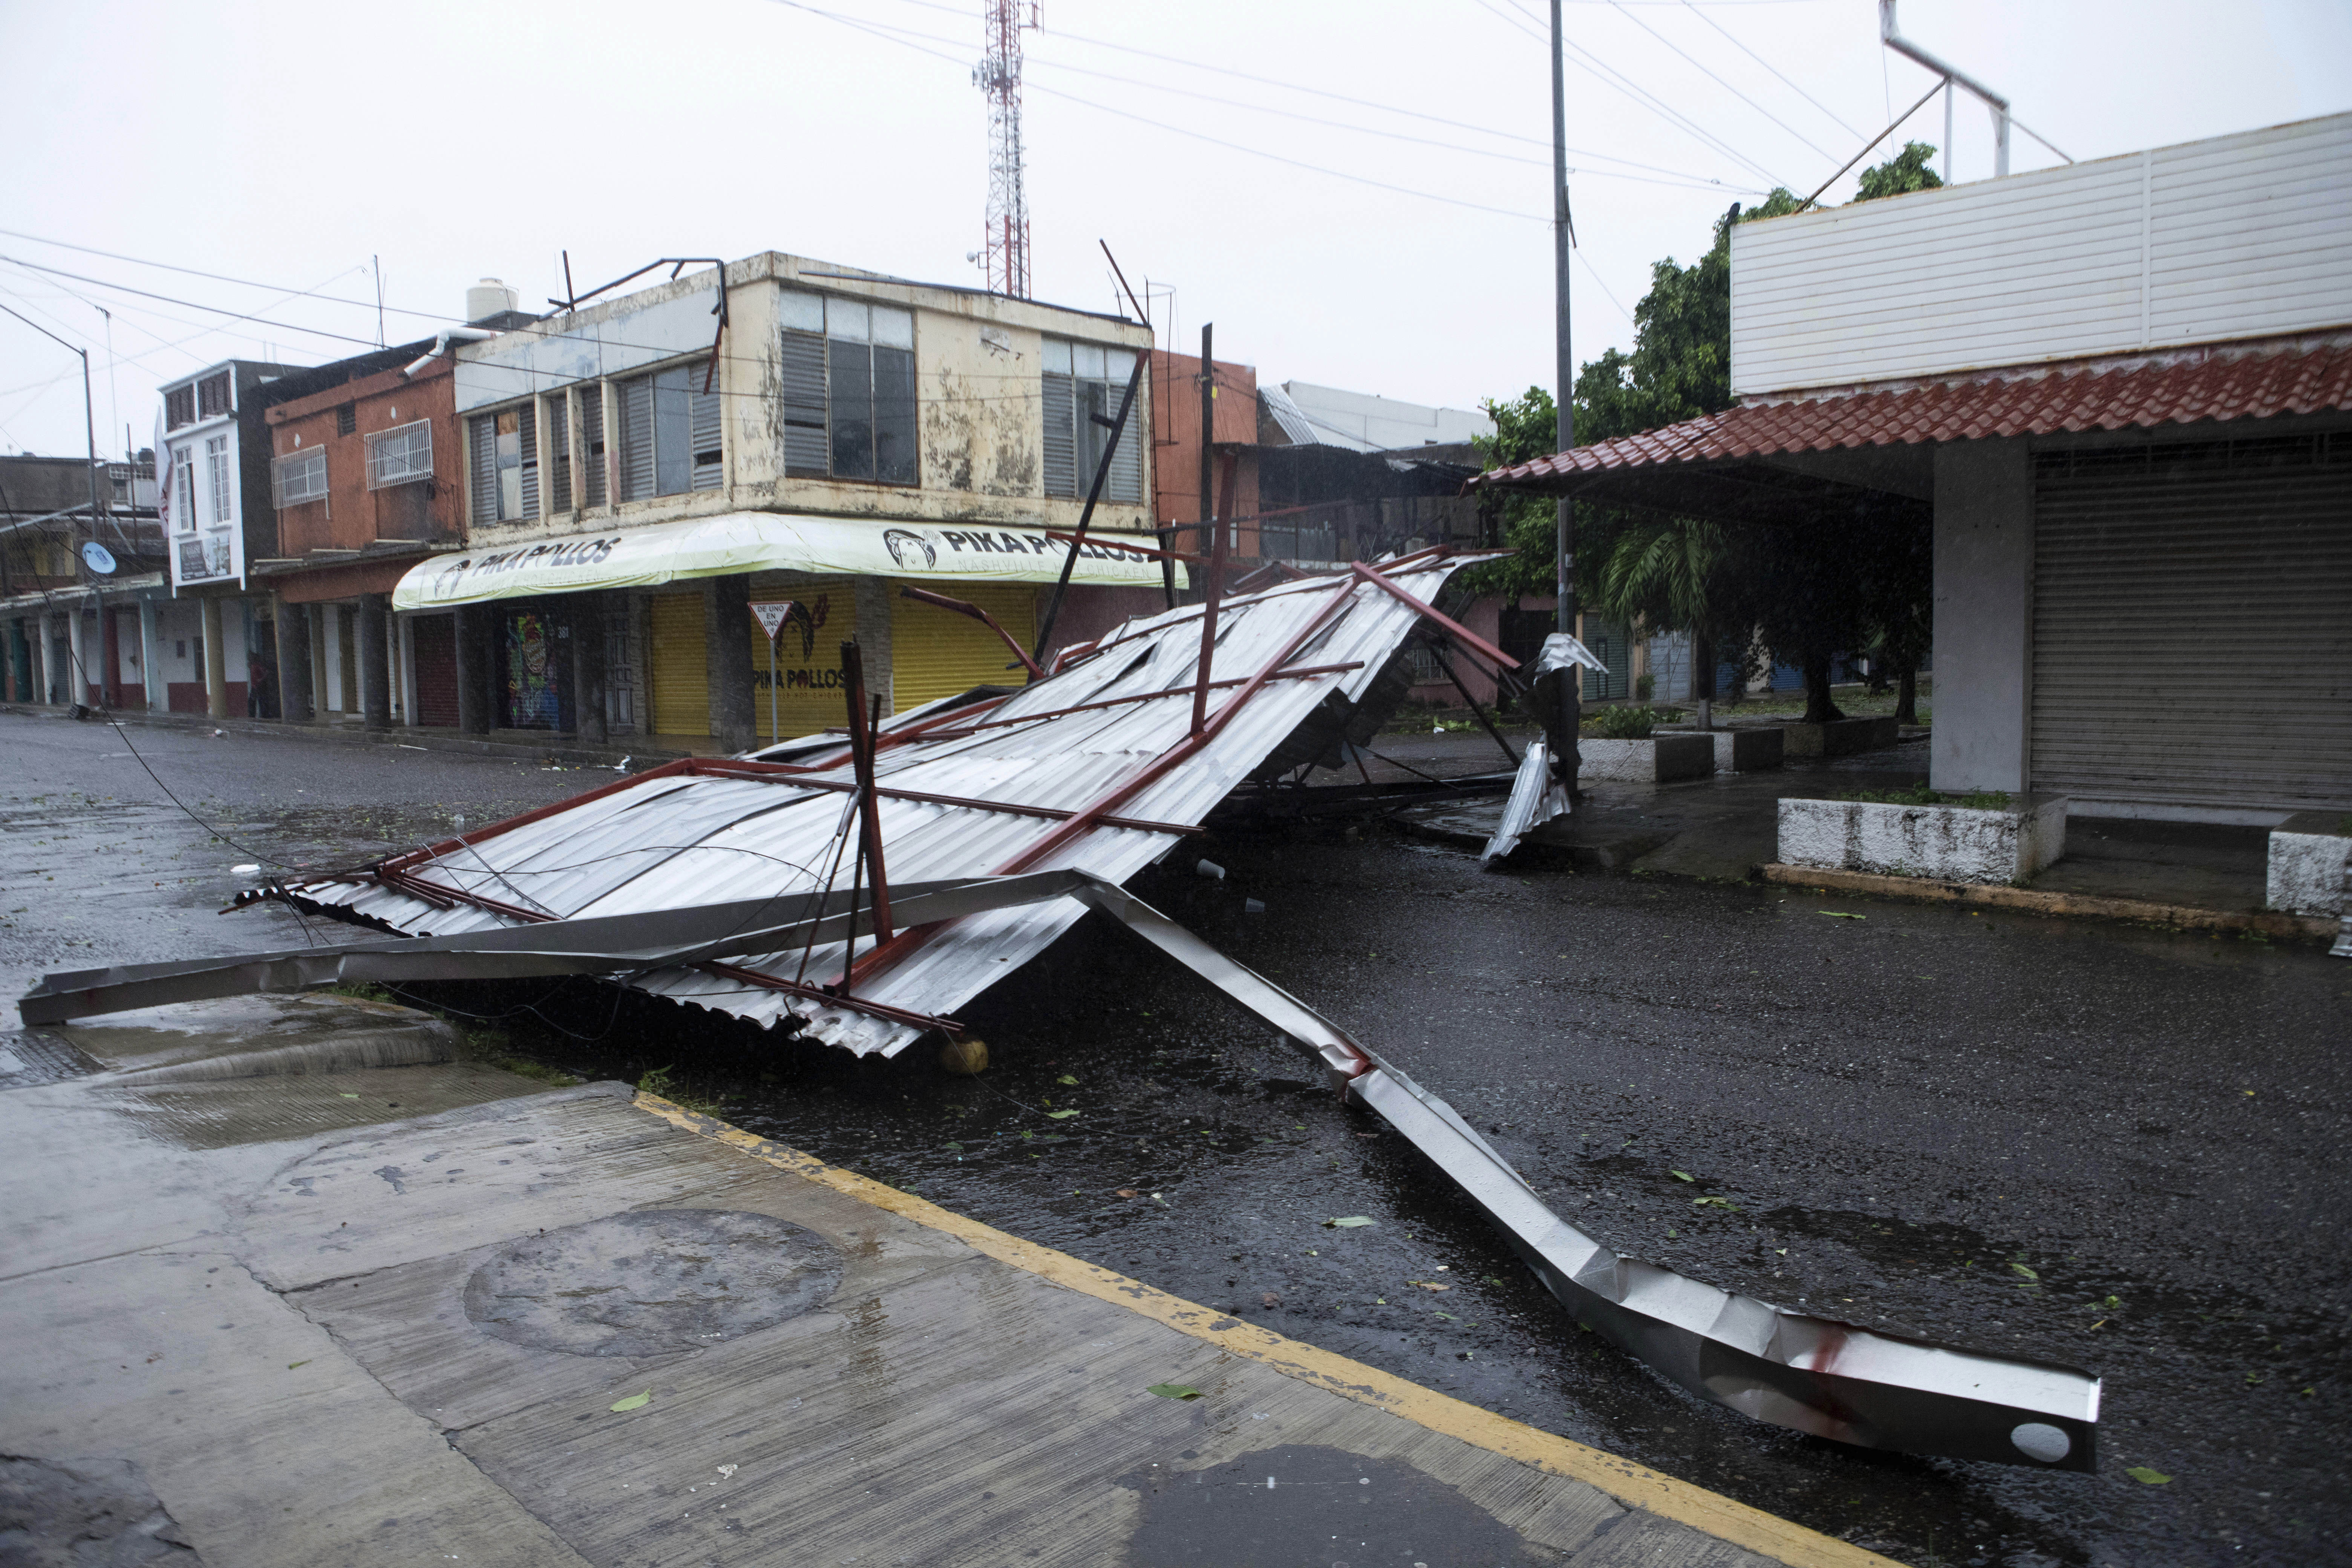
{"x":474,"y":669}
{"x":1984,"y":617}
{"x":109,"y":653}
{"x":376,"y":679}
{"x":151,"y":658}
{"x":874,"y":596}
{"x":215,"y":661}
{"x":727,"y":638}
{"x":588,"y":667}
{"x":296,"y":698}
{"x":77,"y":658}
{"x":404,"y":643}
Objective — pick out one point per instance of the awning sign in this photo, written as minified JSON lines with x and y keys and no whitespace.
{"x":740,"y":542}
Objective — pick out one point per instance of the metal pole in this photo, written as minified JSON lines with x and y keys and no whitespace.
{"x":1086,"y":517}
{"x":90,"y":434}
{"x":772,"y":736}
{"x":1208,"y":427}
{"x":1565,"y":375}
{"x":1948,"y":130}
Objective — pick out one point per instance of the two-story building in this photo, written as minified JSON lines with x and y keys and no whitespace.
{"x":639,"y":472}
{"x":215,"y":637}
{"x":2121,"y":392}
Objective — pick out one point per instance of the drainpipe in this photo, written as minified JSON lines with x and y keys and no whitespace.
{"x":1993,"y":100}
{"x":469,"y":334}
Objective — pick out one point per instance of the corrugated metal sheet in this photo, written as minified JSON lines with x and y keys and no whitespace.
{"x":2238,"y":236}
{"x":672,"y":841}
{"x":2195,"y":386}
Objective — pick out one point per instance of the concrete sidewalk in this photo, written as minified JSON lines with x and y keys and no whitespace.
{"x":398,"y":1307}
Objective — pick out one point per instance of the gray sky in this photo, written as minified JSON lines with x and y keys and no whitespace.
{"x":287,"y":143}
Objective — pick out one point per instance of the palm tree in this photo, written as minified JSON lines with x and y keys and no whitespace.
{"x":1677,"y":574}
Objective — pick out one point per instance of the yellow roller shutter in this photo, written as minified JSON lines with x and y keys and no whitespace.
{"x":808,"y":655}
{"x":936,"y":653}
{"x":681,"y":666}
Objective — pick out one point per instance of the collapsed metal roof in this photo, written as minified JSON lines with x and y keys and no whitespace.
{"x":1098,"y":767}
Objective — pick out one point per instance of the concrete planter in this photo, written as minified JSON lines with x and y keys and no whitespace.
{"x":1741,"y":750}
{"x":1842,"y":738}
{"x":1941,"y":843}
{"x":1661,"y":758}
{"x":2309,"y":853}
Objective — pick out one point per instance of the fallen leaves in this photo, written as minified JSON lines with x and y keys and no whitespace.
{"x":2021,"y":1268}
{"x":1429,"y":1285}
{"x":292,"y":1364}
{"x":634,"y":1402}
{"x":1173,"y":1391}
{"x":1346,"y":1222}
{"x":1841,"y":915}
{"x":1682,"y":1175}
{"x":1059,"y":1115}
{"x":2146,"y":1477}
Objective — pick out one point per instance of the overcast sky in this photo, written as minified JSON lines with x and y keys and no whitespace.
{"x":1353,"y":190}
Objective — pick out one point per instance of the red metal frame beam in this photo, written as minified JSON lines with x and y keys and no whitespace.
{"x":752,"y":977}
{"x":434,"y":851}
{"x":1460,"y":633}
{"x":924,"y":595}
{"x":1108,"y":544}
{"x":869,"y":809}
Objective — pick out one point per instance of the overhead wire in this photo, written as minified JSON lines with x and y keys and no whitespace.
{"x":1725,"y":85}
{"x":1314,"y":92}
{"x":1769,"y":65}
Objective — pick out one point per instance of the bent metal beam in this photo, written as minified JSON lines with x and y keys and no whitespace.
{"x":1813,"y":1374}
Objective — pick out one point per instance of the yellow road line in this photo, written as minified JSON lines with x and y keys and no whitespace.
{"x":1633,"y":1485}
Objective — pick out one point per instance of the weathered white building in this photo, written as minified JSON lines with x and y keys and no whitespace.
{"x":2123,"y":392}
{"x":641,"y":468}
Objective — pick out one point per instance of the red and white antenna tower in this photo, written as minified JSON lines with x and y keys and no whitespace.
{"x":999,"y":76}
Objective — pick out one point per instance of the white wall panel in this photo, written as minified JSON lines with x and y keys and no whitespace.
{"x":551,"y":354}
{"x":2246,"y":236}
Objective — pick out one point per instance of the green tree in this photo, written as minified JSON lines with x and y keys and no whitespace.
{"x":1905,"y":172}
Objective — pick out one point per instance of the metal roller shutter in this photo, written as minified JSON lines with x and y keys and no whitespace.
{"x":936,"y":653}
{"x":636,"y":416}
{"x":681,"y":666}
{"x":482,"y":449}
{"x":435,"y":640}
{"x":2191,"y":638}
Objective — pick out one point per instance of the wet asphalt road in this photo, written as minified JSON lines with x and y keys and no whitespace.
{"x":2112,"y":1147}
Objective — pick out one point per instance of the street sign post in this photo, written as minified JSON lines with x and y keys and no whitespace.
{"x":771,"y":615}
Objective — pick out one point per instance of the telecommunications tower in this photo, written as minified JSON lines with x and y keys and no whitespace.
{"x":999,"y":76}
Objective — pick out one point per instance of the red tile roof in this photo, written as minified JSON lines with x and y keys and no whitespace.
{"x":2214,"y":385}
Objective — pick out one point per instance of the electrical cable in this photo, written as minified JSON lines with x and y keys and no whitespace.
{"x":1727,"y":86}
{"x":1767,"y":65}
{"x":1321,"y":92}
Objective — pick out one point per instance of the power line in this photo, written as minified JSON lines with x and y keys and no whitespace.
{"x":1317,"y":92}
{"x":1727,"y":86}
{"x":1769,"y":65}
{"x":1177,"y":130}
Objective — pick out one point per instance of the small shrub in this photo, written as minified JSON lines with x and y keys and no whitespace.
{"x":1645,"y":687}
{"x":1920,"y":794}
{"x":1615,"y":724}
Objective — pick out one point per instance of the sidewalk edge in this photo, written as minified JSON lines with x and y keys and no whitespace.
{"x":2034,"y":900}
{"x":1633,"y":1485}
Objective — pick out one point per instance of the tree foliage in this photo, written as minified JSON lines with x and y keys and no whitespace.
{"x":1905,"y":172}
{"x":1835,"y":584}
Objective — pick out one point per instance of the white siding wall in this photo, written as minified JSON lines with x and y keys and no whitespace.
{"x":2240,"y":237}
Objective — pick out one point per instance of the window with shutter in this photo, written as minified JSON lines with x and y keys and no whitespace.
{"x":709,"y":447}
{"x":527,"y":452}
{"x":591,"y":442}
{"x":482,"y":441}
{"x":806,"y":445}
{"x":180,"y":407}
{"x":212,"y":396}
{"x":1061,"y":430}
{"x":559,"y":447}
{"x":1080,"y":381}
{"x":636,"y":400}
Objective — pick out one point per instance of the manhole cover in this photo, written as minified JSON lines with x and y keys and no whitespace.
{"x":652,"y":1282}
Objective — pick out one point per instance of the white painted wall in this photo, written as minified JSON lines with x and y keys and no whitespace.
{"x":2238,"y":236}
{"x":1984,"y":617}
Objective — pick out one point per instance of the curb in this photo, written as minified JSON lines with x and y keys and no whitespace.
{"x":2185,"y":917}
{"x":1635,"y":1485}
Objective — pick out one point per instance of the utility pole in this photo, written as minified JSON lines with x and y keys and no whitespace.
{"x":1208,"y":430}
{"x":1564,"y":375}
{"x":88,"y":412}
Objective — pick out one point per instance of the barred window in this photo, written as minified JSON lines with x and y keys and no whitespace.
{"x":400,"y":455}
{"x":301,"y":478}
